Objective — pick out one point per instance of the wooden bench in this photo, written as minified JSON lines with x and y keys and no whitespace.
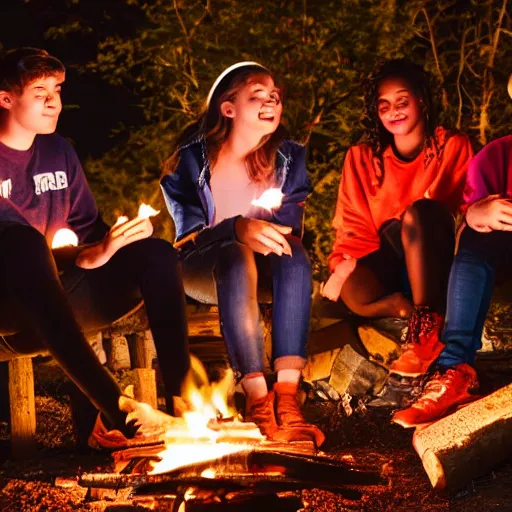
{"x":21,"y":378}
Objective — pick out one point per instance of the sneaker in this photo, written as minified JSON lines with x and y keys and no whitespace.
{"x":289,"y":415}
{"x":422,"y":346}
{"x":443,"y":394}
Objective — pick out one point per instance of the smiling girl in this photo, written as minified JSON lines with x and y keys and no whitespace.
{"x":394,"y":217}
{"x":232,"y":251}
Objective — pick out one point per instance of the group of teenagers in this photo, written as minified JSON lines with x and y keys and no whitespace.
{"x":401,"y":189}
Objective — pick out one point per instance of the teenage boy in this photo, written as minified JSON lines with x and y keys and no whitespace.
{"x":43,"y":189}
{"x":484,"y":254}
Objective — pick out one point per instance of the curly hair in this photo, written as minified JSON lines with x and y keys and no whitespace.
{"x":375,"y":135}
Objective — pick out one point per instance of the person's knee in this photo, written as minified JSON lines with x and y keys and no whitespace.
{"x":158,"y":252}
{"x":23,"y":239}
{"x":353,"y":304}
{"x":161,"y":247}
{"x":236,"y":258}
{"x":424,"y":211}
{"x":474,"y":245}
{"x":472,"y":240}
{"x":300,"y":256}
{"x":422,"y":214}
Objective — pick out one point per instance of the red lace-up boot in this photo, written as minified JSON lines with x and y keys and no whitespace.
{"x":422,"y":346}
{"x":443,"y":394}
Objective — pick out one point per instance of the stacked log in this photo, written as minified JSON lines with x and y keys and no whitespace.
{"x":468,"y":443}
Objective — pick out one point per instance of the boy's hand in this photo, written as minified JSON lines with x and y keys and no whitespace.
{"x":118,"y":236}
{"x":492,"y":213}
{"x":262,"y":236}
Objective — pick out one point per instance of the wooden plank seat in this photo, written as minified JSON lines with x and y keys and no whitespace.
{"x":205,"y":336}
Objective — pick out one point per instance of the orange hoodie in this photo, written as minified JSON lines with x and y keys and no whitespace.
{"x":371,"y":193}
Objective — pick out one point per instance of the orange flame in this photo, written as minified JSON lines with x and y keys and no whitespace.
{"x":203,"y":436}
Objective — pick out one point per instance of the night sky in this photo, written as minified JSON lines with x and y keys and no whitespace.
{"x":92,"y":109}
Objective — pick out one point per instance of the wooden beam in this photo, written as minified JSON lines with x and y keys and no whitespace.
{"x":22,"y":406}
{"x":137,"y":349}
{"x":145,"y":386}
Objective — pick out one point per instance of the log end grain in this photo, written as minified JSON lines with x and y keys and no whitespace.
{"x":434,"y":470}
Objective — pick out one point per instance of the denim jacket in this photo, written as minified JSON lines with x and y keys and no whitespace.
{"x":189,"y":198}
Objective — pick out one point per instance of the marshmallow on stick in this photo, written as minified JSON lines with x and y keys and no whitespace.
{"x":146,"y":211}
{"x":270,"y":199}
{"x":121,"y":220}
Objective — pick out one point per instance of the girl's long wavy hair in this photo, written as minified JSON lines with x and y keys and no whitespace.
{"x":215,"y":128}
{"x":375,"y":135}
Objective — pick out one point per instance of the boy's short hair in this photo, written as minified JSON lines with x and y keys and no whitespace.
{"x":22,"y":66}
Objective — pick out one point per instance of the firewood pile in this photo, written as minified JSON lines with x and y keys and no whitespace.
{"x":259,"y":471}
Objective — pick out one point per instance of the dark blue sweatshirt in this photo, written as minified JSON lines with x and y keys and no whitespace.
{"x":46,"y":188}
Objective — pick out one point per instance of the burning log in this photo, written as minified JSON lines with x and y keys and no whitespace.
{"x":468,"y":443}
{"x":257,"y":468}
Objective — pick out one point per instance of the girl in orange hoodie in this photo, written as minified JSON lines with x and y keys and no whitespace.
{"x":394,"y":217}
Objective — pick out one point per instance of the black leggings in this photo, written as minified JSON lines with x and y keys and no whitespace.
{"x":46,"y":312}
{"x":418,"y":249}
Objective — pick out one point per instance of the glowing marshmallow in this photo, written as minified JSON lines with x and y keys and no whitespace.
{"x":270,"y":199}
{"x":64,"y":238}
{"x":121,"y":220}
{"x":146,"y":211}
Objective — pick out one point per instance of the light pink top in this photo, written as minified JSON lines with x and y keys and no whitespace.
{"x":233,"y":192}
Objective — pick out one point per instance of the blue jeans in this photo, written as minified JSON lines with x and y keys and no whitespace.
{"x":237,"y":278}
{"x":481,"y":258}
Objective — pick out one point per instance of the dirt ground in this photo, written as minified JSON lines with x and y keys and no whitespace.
{"x":369,"y":437}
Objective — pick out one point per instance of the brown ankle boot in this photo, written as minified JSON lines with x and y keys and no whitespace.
{"x":289,"y":415}
{"x":261,"y":412}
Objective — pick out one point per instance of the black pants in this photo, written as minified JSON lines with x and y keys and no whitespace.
{"x":40,"y":311}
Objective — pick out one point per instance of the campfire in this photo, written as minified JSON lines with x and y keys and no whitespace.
{"x":208,"y":428}
{"x":209,"y":455}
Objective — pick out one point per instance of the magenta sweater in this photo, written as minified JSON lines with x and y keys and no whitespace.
{"x":490,"y":171}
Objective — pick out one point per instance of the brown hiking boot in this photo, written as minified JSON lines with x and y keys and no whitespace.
{"x":422,"y":346}
{"x":289,"y":415}
{"x":443,"y":394}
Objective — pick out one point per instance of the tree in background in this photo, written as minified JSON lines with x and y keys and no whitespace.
{"x":174,"y":50}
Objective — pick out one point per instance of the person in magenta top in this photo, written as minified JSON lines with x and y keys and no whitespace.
{"x":484,"y":256}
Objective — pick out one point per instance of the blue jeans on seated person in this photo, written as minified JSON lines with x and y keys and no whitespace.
{"x":481,"y":258}
{"x":234,"y":277}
